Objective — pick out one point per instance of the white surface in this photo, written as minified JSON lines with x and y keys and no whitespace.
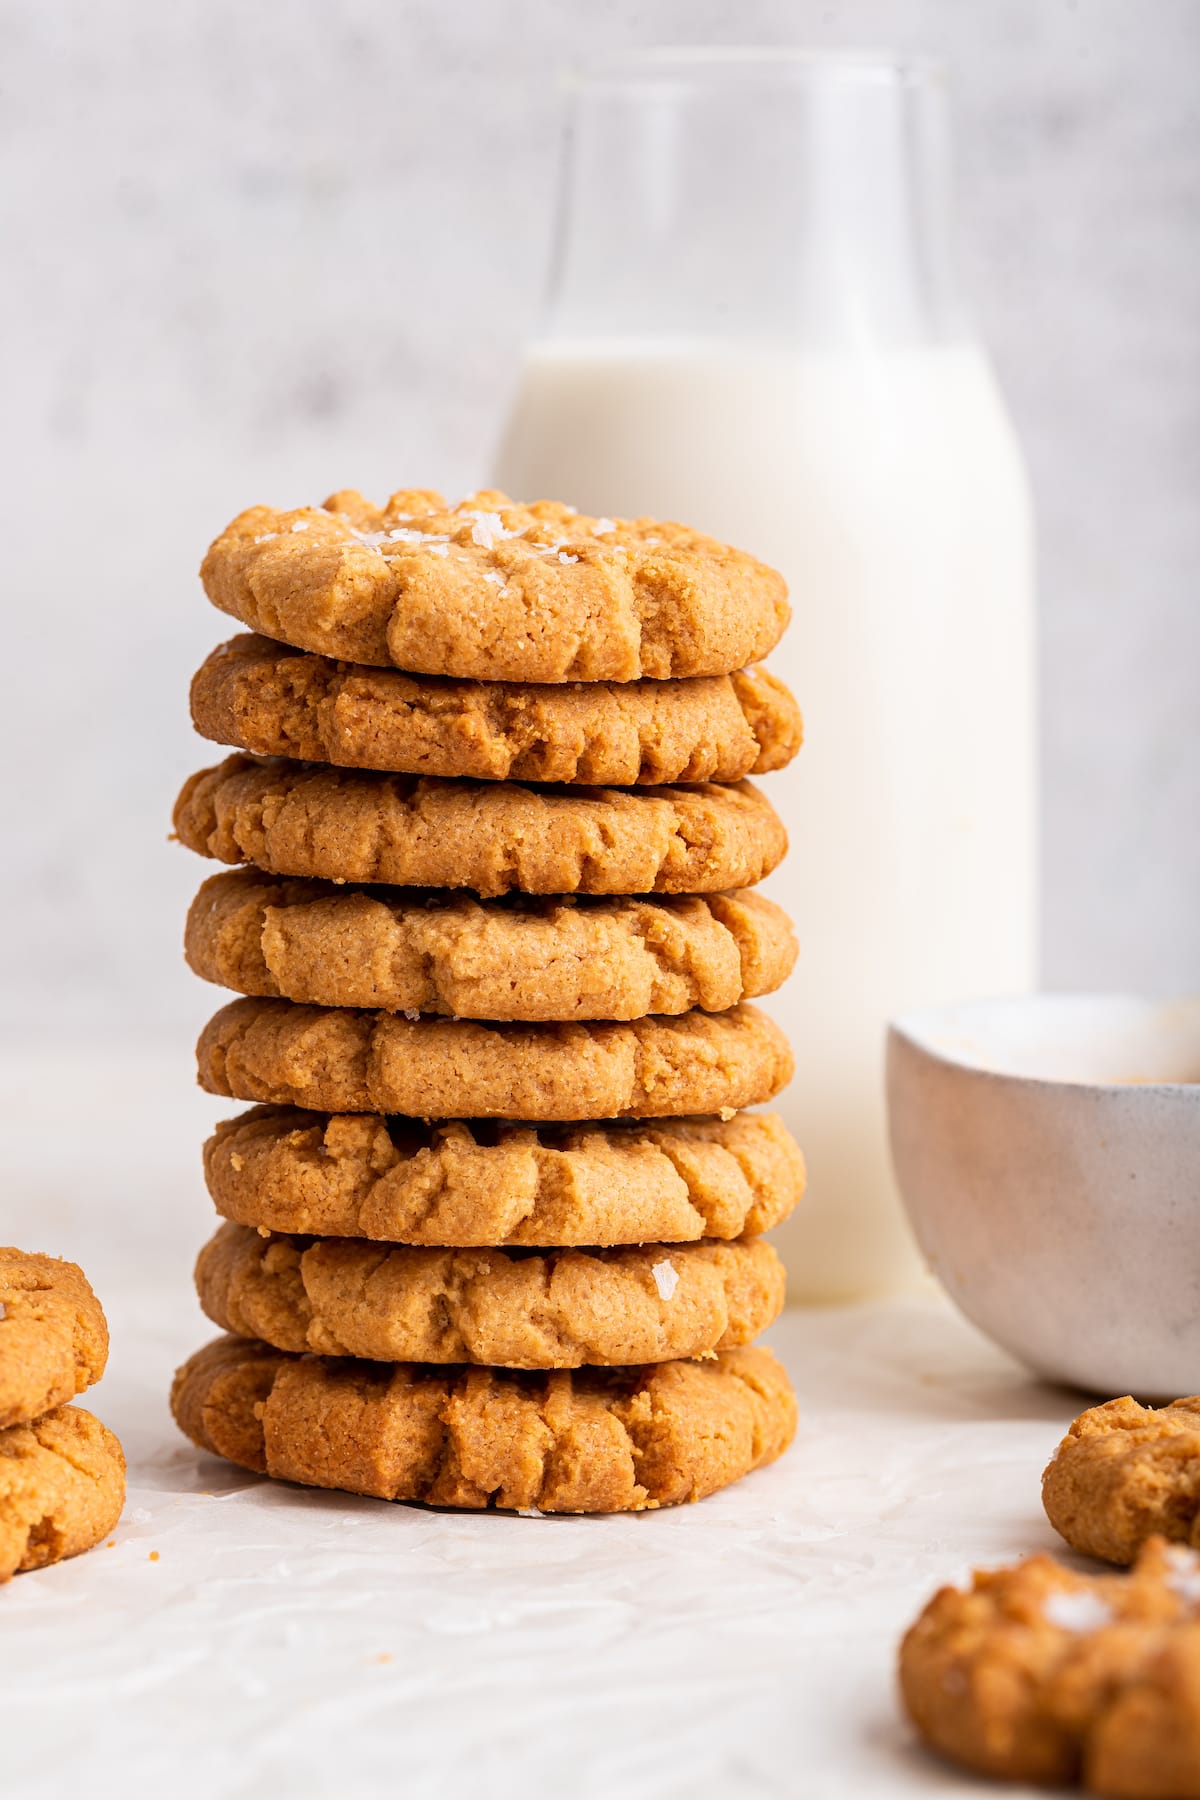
{"x":885,"y":483}
{"x":318,"y":1645}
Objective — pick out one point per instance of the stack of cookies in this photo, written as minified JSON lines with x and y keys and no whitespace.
{"x":62,"y":1473}
{"x":492,"y":1228}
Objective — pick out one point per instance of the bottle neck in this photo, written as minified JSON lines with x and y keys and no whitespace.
{"x":765,"y":197}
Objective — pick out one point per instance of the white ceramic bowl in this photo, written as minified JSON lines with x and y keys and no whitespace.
{"x":1048,"y":1152}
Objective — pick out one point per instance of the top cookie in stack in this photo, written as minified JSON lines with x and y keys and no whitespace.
{"x":475,"y":894}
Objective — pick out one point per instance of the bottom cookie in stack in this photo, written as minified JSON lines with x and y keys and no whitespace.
{"x":62,"y":1473}
{"x":592,"y":1440}
{"x":532,"y":1370}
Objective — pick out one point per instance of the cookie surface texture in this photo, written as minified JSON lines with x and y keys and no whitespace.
{"x":331,"y":1059}
{"x":473,"y":1185}
{"x":409,"y":831}
{"x":592,"y":1440}
{"x":53,"y":1334}
{"x":493,"y":590}
{"x":515,"y":959}
{"x":1039,"y":1674}
{"x":274,"y":701}
{"x":62,"y":1487}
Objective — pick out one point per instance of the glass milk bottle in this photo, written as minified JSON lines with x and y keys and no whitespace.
{"x":754,"y":326}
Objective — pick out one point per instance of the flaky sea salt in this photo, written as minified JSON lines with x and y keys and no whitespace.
{"x":666,"y":1278}
{"x":299,"y":524}
{"x":563,"y":557}
{"x":488,"y":529}
{"x":1183,"y":1573}
{"x":529,"y":1512}
{"x":493,"y":576}
{"x":1077,"y":1609}
{"x":266,"y":536}
{"x":603,"y":525}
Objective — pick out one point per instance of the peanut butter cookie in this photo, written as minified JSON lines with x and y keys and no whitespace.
{"x":594,"y":1440}
{"x":1123,"y":1473}
{"x":408,"y":831}
{"x":492,"y":590}
{"x":519,"y":1309}
{"x":62,"y":1487}
{"x":1039,"y":1674}
{"x":517,"y":958}
{"x":473,"y":1184}
{"x":53,"y":1335}
{"x":275,"y":701}
{"x":335,"y":1060}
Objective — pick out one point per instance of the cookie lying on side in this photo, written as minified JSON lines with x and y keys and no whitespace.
{"x":62,"y":1487}
{"x":1125,"y":1473}
{"x":1039,"y":1674}
{"x":53,"y":1334}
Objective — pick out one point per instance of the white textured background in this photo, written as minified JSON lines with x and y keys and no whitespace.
{"x":262,"y":250}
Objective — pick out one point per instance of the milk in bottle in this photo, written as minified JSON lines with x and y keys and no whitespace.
{"x":754,"y":329}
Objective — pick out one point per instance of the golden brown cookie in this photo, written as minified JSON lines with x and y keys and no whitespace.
{"x":519,"y":1309}
{"x":333,"y":1060}
{"x":1123,"y":1473}
{"x":1042,"y":1675}
{"x":475,"y":1184}
{"x":275,"y":701}
{"x":404,"y":830}
{"x":515,"y":958}
{"x":53,"y":1335}
{"x":496,"y":591}
{"x":62,"y":1487}
{"x":593,"y":1440}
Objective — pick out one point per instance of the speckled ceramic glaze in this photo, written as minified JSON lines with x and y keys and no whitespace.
{"x":1048,"y":1152}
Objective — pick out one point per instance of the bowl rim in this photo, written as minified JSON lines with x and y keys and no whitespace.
{"x":913,"y":1024}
